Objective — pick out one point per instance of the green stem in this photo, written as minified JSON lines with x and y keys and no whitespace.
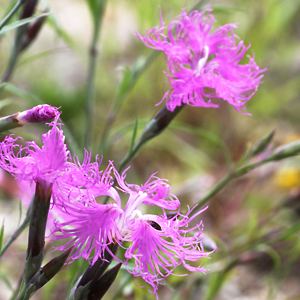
{"x":218,"y":281}
{"x":119,"y":100}
{"x":130,"y":155}
{"x":17,"y":232}
{"x":91,"y":74}
{"x":235,"y":174}
{"x":11,"y":13}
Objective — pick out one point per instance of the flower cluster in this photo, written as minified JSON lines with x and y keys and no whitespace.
{"x":156,"y":243}
{"x":203,"y":64}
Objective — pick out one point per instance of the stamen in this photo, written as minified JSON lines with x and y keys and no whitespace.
{"x":202,"y":61}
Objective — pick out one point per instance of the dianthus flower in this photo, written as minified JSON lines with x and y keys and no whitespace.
{"x":39,"y":113}
{"x":203,"y":64}
{"x":91,"y":226}
{"x":157,"y":243}
{"x":51,"y":164}
{"x":31,"y":163}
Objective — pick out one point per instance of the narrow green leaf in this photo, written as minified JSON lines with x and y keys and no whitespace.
{"x":136,"y":125}
{"x":92,"y":4}
{"x":208,"y":136}
{"x":1,"y":235}
{"x":52,"y":22}
{"x":5,"y":102}
{"x":5,"y":280}
{"x":20,"y":212}
{"x":22,"y":22}
{"x":39,"y":55}
{"x":34,"y":100}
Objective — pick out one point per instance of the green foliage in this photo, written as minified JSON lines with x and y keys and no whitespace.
{"x":250,"y":217}
{"x":1,"y":235}
{"x":22,"y":22}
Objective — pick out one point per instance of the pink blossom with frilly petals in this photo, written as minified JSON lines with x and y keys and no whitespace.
{"x":203,"y":64}
{"x":53,"y":163}
{"x":32,"y":162}
{"x":91,"y":227}
{"x":158,"y":244}
{"x":158,"y":247}
{"x":154,"y":191}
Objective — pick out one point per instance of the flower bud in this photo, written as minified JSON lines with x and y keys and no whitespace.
{"x":104,"y":283}
{"x":159,"y":123}
{"x":262,"y":144}
{"x":32,"y":32}
{"x":37,"y":114}
{"x":286,"y":150}
{"x":28,"y":9}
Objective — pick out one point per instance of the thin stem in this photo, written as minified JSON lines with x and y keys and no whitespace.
{"x":91,"y":73}
{"x":17,"y":232}
{"x":90,"y":94}
{"x":218,"y":281}
{"x":11,"y":13}
{"x":235,"y":174}
{"x":122,"y":95}
{"x":130,"y":155}
{"x":17,"y":290}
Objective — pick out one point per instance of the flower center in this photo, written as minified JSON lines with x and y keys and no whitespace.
{"x":202,"y":61}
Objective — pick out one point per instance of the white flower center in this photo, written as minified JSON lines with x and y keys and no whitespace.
{"x":202,"y":61}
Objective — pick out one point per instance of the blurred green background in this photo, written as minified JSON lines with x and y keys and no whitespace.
{"x":197,"y":149}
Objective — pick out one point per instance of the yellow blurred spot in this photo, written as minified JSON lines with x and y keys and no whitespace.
{"x":291,"y":138}
{"x":287,"y":177}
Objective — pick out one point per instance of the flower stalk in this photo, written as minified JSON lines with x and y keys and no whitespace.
{"x":11,"y":13}
{"x":37,"y":229}
{"x":155,"y":127}
{"x":25,"y":35}
{"x":93,"y":55}
{"x":18,"y":231}
{"x":282,"y":152}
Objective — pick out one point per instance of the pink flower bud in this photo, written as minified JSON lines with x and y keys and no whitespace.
{"x":37,"y":114}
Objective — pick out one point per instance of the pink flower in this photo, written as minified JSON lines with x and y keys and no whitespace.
{"x":203,"y":64}
{"x":153,"y":192}
{"x":91,"y":227}
{"x":32,"y":162}
{"x":38,"y":113}
{"x":158,"y":247}
{"x":52,"y":163}
{"x":158,"y":244}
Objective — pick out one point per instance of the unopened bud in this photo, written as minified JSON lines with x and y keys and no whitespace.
{"x":37,"y":114}
{"x":93,"y":273}
{"x":262,"y":144}
{"x":32,"y":32}
{"x":159,"y":123}
{"x":286,"y":150}
{"x":48,"y":271}
{"x":208,"y":243}
{"x":104,"y":283}
{"x":28,"y":9}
